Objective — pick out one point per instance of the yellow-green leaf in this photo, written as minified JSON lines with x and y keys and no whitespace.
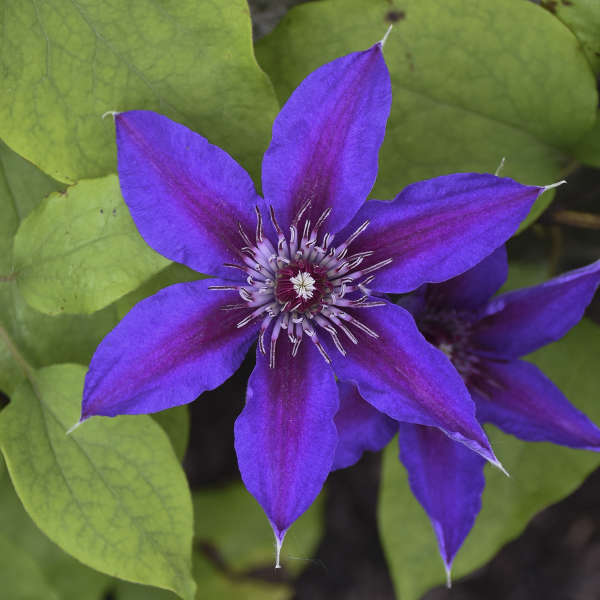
{"x":64,"y":64}
{"x":79,"y":251}
{"x":472,"y":82}
{"x":112,"y":493}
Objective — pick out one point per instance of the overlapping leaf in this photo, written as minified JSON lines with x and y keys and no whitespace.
{"x":176,"y":424}
{"x":232,"y":528}
{"x":67,"y":577}
{"x":64,"y":64}
{"x":22,"y":576}
{"x":79,"y":250}
{"x":582,"y":17}
{"x":112,"y":494}
{"x":472,"y":82}
{"x":43,"y":340}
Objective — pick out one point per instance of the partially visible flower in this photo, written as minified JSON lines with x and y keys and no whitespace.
{"x":484,"y":338}
{"x":284,"y":280}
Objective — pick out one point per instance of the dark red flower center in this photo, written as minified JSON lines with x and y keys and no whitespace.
{"x":302,"y":286}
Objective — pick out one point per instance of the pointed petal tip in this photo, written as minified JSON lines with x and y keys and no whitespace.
{"x":496,"y":463}
{"x":554,"y":185}
{"x":113,"y":113}
{"x":279,"y":537}
{"x":75,"y":426}
{"x":383,"y":40}
{"x":448,"y":568}
{"x":500,"y":166}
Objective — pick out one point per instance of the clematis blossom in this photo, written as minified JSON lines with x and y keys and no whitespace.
{"x":297,"y":271}
{"x":485,"y":338}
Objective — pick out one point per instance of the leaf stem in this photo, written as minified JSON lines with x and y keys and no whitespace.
{"x":27,"y":369}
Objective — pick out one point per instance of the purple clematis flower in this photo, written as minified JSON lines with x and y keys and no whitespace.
{"x":282,"y":279}
{"x":484,"y":339}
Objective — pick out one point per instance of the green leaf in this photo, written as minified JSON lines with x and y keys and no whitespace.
{"x":80,"y":250}
{"x":111,"y":493}
{"x":587,"y":149}
{"x":45,"y":340}
{"x":176,"y":424}
{"x":64,"y":64}
{"x":41,"y":339}
{"x":582,"y":17}
{"x":174,"y":273}
{"x":22,"y":577}
{"x":232,"y":521}
{"x":232,"y":524}
{"x":540,"y":474}
{"x":71,"y":579}
{"x":212,"y":584}
{"x":22,"y":187}
{"x":472,"y":82}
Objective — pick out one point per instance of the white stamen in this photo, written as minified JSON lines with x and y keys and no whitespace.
{"x":336,"y":274}
{"x":304,"y":285}
{"x":446,"y":349}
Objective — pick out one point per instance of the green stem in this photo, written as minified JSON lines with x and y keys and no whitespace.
{"x":27,"y":369}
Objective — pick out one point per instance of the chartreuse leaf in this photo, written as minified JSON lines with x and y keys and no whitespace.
{"x":79,"y":251}
{"x":174,"y":273}
{"x":540,"y":474}
{"x":22,"y":577}
{"x":472,"y":82}
{"x":232,"y":525}
{"x":67,"y":576}
{"x":112,"y":493}
{"x":582,"y":17}
{"x":587,"y":149}
{"x":64,"y":64}
{"x":42,"y":339}
{"x":230,"y":520}
{"x":212,"y":584}
{"x":22,"y":187}
{"x":176,"y":424}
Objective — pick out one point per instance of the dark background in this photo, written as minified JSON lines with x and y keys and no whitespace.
{"x":558,"y":555}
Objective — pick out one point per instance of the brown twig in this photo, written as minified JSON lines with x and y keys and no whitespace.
{"x":574,"y":218}
{"x":9,"y":277}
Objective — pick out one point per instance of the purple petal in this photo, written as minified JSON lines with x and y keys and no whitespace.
{"x":285,"y":437}
{"x":185,"y":195}
{"x":439,"y":228}
{"x":360,"y":427}
{"x":522,"y":321}
{"x":408,"y":379}
{"x":326,"y":139}
{"x":472,"y":289}
{"x":167,"y":350}
{"x":447,"y":479}
{"x":517,"y":397}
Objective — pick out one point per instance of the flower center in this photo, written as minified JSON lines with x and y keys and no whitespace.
{"x":449,"y":331}
{"x":302,"y":284}
{"x":301,"y":287}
